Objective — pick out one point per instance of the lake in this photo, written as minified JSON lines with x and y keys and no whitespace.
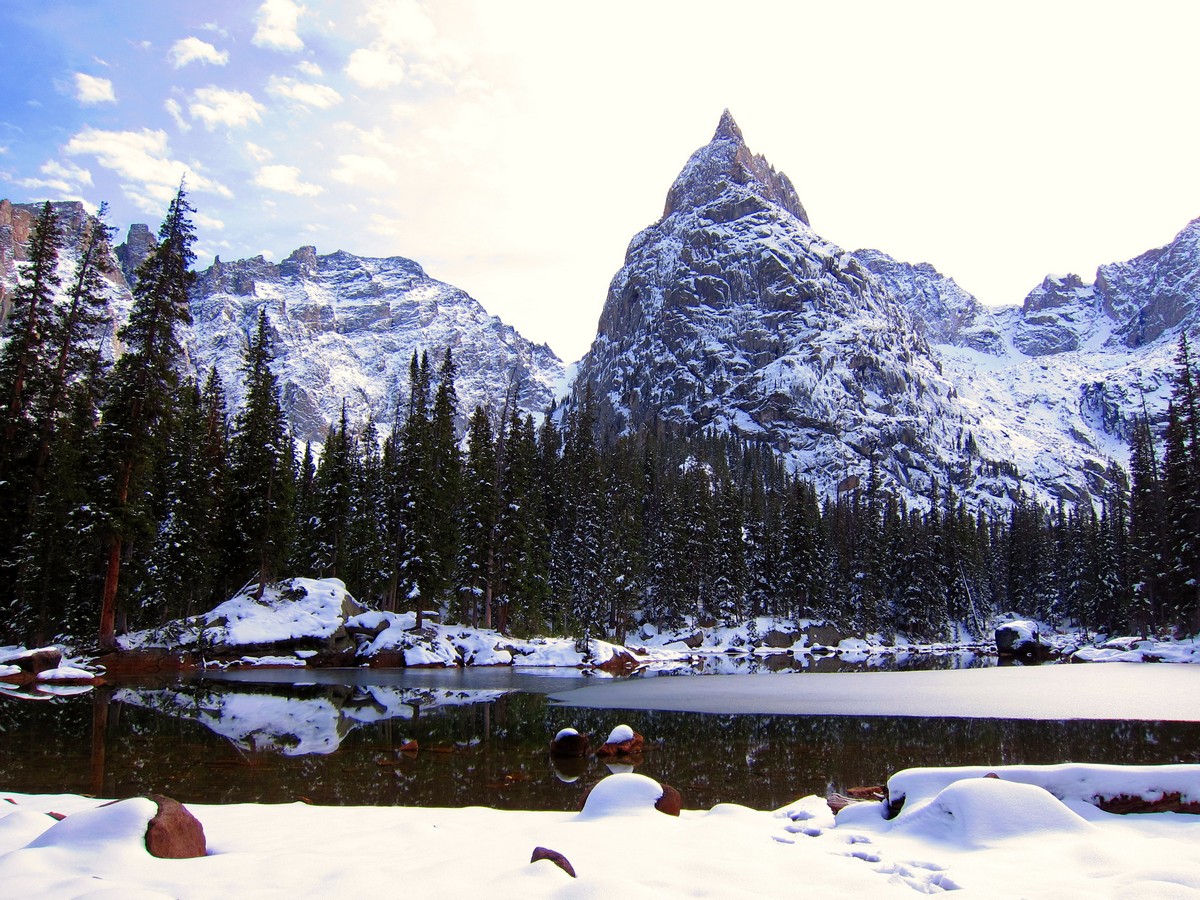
{"x":335,"y":737}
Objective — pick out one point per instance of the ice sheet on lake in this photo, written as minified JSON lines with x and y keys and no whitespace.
{"x":1116,"y":691}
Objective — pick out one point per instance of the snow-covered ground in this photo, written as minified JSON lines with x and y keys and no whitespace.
{"x":991,"y":837}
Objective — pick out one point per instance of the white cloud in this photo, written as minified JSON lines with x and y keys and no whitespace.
{"x":309,"y":68}
{"x":90,"y":90}
{"x":216,"y":106}
{"x":375,"y":67}
{"x":285,"y":179}
{"x":356,"y":169}
{"x":306,"y":93}
{"x":407,"y":43}
{"x":207,"y":223}
{"x":142,"y":159}
{"x":176,"y":112}
{"x":63,"y":178}
{"x":257,"y":153}
{"x":277,"y":22}
{"x":402,"y":23}
{"x":191,"y":49}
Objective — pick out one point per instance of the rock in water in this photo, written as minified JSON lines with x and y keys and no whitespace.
{"x":569,"y":743}
{"x":623,"y":741}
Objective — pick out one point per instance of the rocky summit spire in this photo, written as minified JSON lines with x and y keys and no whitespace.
{"x":724,"y":169}
{"x":727,"y":129}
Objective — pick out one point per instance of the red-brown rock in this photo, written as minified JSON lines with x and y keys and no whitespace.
{"x":132,"y":663}
{"x":632,"y":745}
{"x":621,"y":662}
{"x":570,"y":743}
{"x":174,"y":833}
{"x":1171,"y":801}
{"x":36,"y":661}
{"x":555,"y":857}
{"x":670,"y":802}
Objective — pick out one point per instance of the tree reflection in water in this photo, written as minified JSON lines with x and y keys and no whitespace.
{"x":206,"y":741}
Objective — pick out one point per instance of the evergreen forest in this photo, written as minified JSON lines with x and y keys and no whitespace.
{"x":131,"y":495}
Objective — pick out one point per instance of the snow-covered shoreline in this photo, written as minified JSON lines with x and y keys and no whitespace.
{"x":1002,"y":836}
{"x":315,"y":623}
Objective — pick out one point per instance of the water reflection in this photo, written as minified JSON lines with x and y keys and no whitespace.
{"x":454,"y":738}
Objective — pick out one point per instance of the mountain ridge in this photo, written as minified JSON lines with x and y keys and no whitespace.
{"x":868,"y":363}
{"x":344,"y":327}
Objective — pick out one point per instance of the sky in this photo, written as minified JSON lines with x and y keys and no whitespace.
{"x":514,"y":148}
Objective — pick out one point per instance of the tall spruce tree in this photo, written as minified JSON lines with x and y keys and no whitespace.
{"x":1181,"y":469}
{"x":24,"y":355}
{"x":476,"y":579}
{"x":261,"y":469}
{"x":1146,"y":527}
{"x":141,"y":394}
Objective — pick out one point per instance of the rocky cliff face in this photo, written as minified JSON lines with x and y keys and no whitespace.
{"x":731,"y":312}
{"x":345,"y":327}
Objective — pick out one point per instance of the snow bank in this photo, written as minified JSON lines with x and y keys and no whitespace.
{"x":624,"y":794}
{"x":294,"y":610}
{"x":993,"y":838}
{"x":1071,"y":782}
{"x":978,"y":812}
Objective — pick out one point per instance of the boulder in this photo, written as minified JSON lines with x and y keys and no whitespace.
{"x":569,"y":743}
{"x":824,"y":635}
{"x":33,"y":662}
{"x":670,"y":802}
{"x":147,"y":662}
{"x":621,"y":662}
{"x":624,"y":793}
{"x":174,"y":833}
{"x":777,"y":640}
{"x":1169,"y":801}
{"x":1018,"y":637}
{"x":623,"y":741}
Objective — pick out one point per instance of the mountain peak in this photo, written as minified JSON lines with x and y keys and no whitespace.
{"x":724,"y":171}
{"x":727,"y":129}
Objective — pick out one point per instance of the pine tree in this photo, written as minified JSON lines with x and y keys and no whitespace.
{"x":333,"y":501}
{"x":1147,"y":528}
{"x":72,"y":339}
{"x":141,"y":393}
{"x":479,"y":508}
{"x":522,"y":535}
{"x":261,"y":470}
{"x":367,"y":570}
{"x":58,"y":579}
{"x":1181,"y":470}
{"x":584,"y":522}
{"x":445,"y":485}
{"x":187,"y":569}
{"x":24,"y":355}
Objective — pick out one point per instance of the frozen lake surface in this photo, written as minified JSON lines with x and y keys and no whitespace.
{"x":1129,"y":691}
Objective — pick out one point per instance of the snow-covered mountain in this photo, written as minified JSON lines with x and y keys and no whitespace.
{"x":731,"y":312}
{"x":345,"y":327}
